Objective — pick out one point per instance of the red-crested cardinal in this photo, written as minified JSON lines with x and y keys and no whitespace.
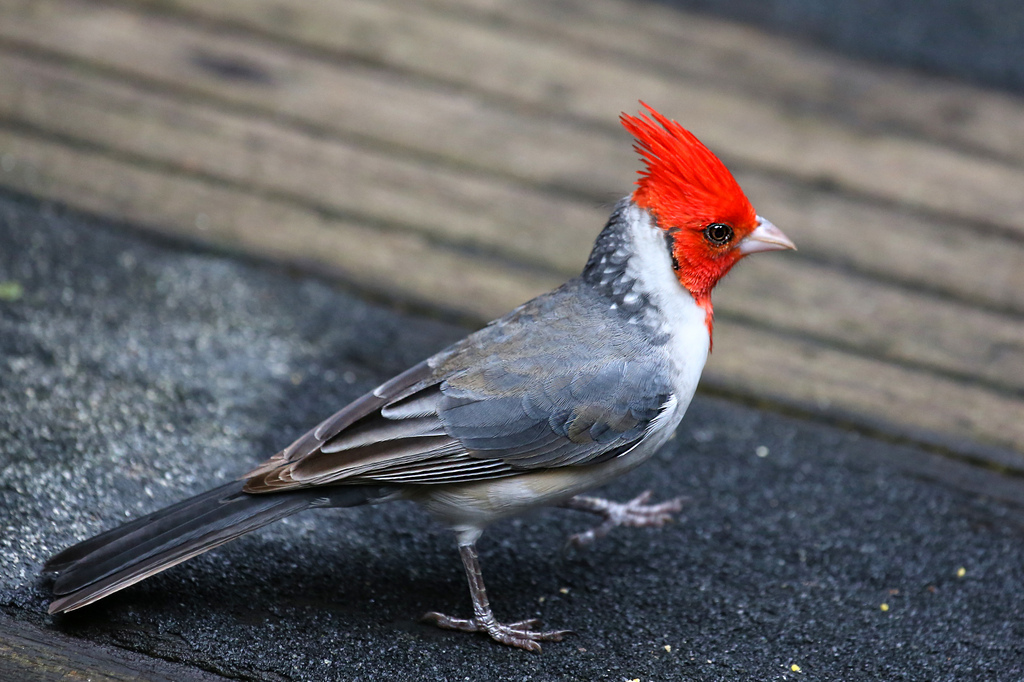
{"x":563,"y":394}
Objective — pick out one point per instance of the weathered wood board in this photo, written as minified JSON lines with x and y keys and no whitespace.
{"x":462,"y":154}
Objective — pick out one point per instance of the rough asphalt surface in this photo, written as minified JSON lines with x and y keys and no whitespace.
{"x":134,"y":371}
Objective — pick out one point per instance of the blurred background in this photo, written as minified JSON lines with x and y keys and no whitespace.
{"x":979,"y":41}
{"x":459,"y":156}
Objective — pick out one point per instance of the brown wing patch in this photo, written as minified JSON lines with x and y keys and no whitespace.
{"x":272,"y":474}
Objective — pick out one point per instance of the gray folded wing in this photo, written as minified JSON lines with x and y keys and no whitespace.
{"x":515,"y":396}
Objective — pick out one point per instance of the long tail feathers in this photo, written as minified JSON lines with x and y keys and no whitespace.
{"x":125,"y":555}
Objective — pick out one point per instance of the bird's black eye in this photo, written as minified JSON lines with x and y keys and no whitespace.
{"x":718,"y":233}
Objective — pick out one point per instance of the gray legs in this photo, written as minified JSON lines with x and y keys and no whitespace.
{"x":519,"y":634}
{"x":636,"y":513}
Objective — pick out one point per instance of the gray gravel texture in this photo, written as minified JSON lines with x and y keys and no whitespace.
{"x":135,"y":371}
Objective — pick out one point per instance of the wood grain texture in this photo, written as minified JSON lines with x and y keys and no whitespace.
{"x":734,"y":56}
{"x":512,"y":222}
{"x":509,"y":61}
{"x":462,"y":154}
{"x":400,"y":264}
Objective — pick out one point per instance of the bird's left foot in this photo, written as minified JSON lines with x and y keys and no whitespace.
{"x":636,"y":513}
{"x":520,"y":634}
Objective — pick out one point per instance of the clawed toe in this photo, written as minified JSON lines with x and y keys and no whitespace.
{"x":635,"y":513}
{"x":520,"y":634}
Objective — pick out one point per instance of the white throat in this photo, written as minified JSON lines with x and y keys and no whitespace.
{"x":672,"y":309}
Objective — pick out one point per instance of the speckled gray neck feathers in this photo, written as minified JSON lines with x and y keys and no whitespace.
{"x":608,"y":272}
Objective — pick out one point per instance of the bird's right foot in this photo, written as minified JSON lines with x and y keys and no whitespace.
{"x":520,"y":634}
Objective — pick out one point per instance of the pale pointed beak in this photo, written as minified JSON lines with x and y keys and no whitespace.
{"x":766,"y":237}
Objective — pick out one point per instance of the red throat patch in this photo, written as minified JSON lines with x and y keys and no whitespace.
{"x":686,"y":188}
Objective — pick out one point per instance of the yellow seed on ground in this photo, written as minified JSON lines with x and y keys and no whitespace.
{"x":884,"y":607}
{"x":11,"y":291}
{"x":961,"y":572}
{"x":668,"y":648}
{"x":795,"y":668}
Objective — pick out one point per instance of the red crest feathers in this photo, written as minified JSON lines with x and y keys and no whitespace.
{"x":684,"y":183}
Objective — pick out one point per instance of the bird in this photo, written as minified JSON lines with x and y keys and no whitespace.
{"x":560,"y":396}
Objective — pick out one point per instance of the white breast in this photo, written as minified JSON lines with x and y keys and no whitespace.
{"x":672,"y":309}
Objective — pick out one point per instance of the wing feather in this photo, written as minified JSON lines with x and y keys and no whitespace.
{"x":514,"y":396}
{"x":382,"y":429}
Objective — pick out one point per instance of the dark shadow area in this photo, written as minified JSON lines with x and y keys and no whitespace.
{"x":977,"y":41}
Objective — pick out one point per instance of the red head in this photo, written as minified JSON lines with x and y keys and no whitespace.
{"x":693,"y":196}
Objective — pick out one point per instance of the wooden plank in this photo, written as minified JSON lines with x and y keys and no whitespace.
{"x":562,"y":142}
{"x":403,"y":265}
{"x":445,"y":124}
{"x":827,"y":382}
{"x":576,"y":142}
{"x":502,"y":63}
{"x":982,"y":269}
{"x":508,"y":221}
{"x":487,"y":212}
{"x":346,"y":178}
{"x":842,"y":310}
{"x":748,"y":359}
{"x":955,"y":260}
{"x":740,"y":57}
{"x":245,"y":89}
